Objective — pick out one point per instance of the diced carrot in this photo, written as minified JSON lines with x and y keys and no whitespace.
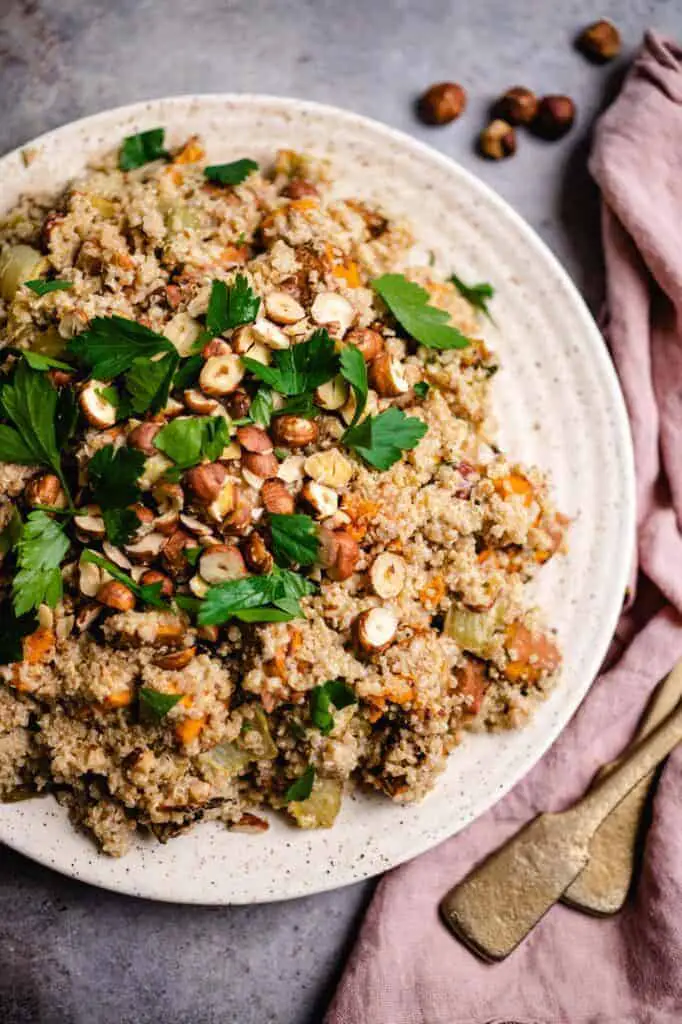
{"x":507,"y":486}
{"x":38,"y":646}
{"x":295,"y":639}
{"x":472,"y":681}
{"x":191,"y":153}
{"x":189,"y":729}
{"x":120,"y":699}
{"x":348,"y":272}
{"x":303,"y":204}
{"x":433,"y":593}
{"x":487,"y":555}
{"x":234,"y":255}
{"x":531,"y":654}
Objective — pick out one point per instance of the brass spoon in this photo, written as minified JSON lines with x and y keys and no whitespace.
{"x":495,"y":907}
{"x":603,"y":884}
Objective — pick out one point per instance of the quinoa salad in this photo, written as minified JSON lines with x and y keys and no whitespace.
{"x":257,"y":543}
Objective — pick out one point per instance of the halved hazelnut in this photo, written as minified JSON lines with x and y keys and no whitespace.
{"x":239,"y":520}
{"x":238,"y":404}
{"x":87,"y":614}
{"x":205,"y":481}
{"x":90,"y":525}
{"x":261,"y":464}
{"x":89,"y":578}
{"x":339,"y":553}
{"x":497,"y":140}
{"x":333,"y":394}
{"x":283,"y":308}
{"x":116,"y":556}
{"x":330,"y":467}
{"x":195,"y":525}
{"x":224,"y":502}
{"x":151,"y":576}
{"x":169,"y":497}
{"x":142,"y":438}
{"x":221,"y":374}
{"x":322,"y":501}
{"x":215,"y":347}
{"x":198,"y":402}
{"x":332,"y":311}
{"x":369,"y":342}
{"x":221,"y":563}
{"x":291,"y":469}
{"x":45,"y":489}
{"x":294,"y":432}
{"x":97,"y":410}
{"x":256,"y":554}
{"x":387,"y":574}
{"x":116,"y":595}
{"x":154,"y":468}
{"x":268,"y":334}
{"x":276,"y":497}
{"x":167,"y":522}
{"x":171,"y":409}
{"x":375,"y":629}
{"x":386,"y":376}
{"x":147,"y":548}
{"x":176,"y":659}
{"x":242,"y":339}
{"x":253,"y":439}
{"x":199,"y":586}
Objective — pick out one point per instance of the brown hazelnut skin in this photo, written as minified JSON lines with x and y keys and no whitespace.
{"x":599,"y":42}
{"x":45,"y":490}
{"x":498,"y":140}
{"x":151,"y":576}
{"x":518,"y":106}
{"x":237,"y":404}
{"x":442,"y":103}
{"x":554,"y":118}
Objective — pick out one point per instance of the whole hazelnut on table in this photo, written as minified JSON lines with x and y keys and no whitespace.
{"x":518,"y":106}
{"x":442,"y":103}
{"x":600,"y":41}
{"x":554,"y":118}
{"x":498,"y":140}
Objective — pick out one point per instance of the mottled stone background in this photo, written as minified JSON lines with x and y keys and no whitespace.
{"x":74,"y":955}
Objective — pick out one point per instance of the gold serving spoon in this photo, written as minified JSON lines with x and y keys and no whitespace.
{"x":495,"y":907}
{"x":603,"y":884}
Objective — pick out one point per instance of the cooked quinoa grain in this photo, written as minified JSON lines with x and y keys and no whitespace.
{"x":257,"y":542}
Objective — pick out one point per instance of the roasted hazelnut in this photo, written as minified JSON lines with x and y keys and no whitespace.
{"x":261,"y":464}
{"x":221,"y":563}
{"x":518,"y":106}
{"x":386,"y":376}
{"x":176,"y":659}
{"x":276,"y":497}
{"x":45,"y":490}
{"x":294,"y":431}
{"x":116,"y":595}
{"x":205,"y":481}
{"x":554,"y":118}
{"x":151,"y":576}
{"x":375,"y":629}
{"x":238,"y":404}
{"x":60,"y":378}
{"x":299,"y":188}
{"x":173,"y":551}
{"x":208,"y":634}
{"x":338,"y":553}
{"x":253,"y":439}
{"x":142,"y":438}
{"x":256,"y":554}
{"x":215,"y":347}
{"x":498,"y":140}
{"x":442,"y":103}
{"x":369,"y":342}
{"x":600,"y":41}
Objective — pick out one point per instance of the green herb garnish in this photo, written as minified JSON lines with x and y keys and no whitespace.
{"x":41,"y":548}
{"x":31,"y":404}
{"x":141,"y":149}
{"x":421,"y":388}
{"x":354,"y":370}
{"x":37,"y":361}
{"x":111,"y":344}
{"x":271,"y":598}
{"x":409,"y":303}
{"x":381,"y":440}
{"x":334,"y":693}
{"x":231,"y":305}
{"x":189,"y":441}
{"x":302,"y":787}
{"x":156,"y":705}
{"x":113,"y":477}
{"x":300,"y":368}
{"x":45,"y":287}
{"x":193,"y":555}
{"x":230,"y":174}
{"x":294,"y":539}
{"x":260,"y":410}
{"x":148,"y":382}
{"x":477,"y":295}
{"x":188,"y":372}
{"x":298,"y":405}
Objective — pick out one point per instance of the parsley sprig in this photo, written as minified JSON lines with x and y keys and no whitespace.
{"x":271,"y":598}
{"x":41,"y":548}
{"x":141,"y":149}
{"x":302,"y":787}
{"x":381,"y":440}
{"x":300,"y":368}
{"x":113,"y":477}
{"x":294,"y":539}
{"x":155,"y":705}
{"x":333,"y":693}
{"x":233,"y":173}
{"x":354,"y":370}
{"x":45,"y":287}
{"x":477,"y":295}
{"x":190,"y":440}
{"x":409,"y":303}
{"x":231,"y":305}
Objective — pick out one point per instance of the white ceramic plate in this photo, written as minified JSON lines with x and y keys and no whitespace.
{"x":559,"y":405}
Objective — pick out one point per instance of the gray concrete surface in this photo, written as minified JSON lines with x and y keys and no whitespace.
{"x":70,"y":954}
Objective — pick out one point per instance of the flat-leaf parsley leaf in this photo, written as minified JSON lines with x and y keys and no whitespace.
{"x":141,"y":149}
{"x":302,"y":787}
{"x":231,"y":305}
{"x":156,"y":705}
{"x":477,"y":295}
{"x":409,"y":303}
{"x":188,"y":441}
{"x":294,"y":539}
{"x":354,"y":370}
{"x":230,"y":174}
{"x":381,"y":440}
{"x":111,"y":344}
{"x":301,"y":368}
{"x":45,"y":287}
{"x":41,"y":547}
{"x":334,"y":692}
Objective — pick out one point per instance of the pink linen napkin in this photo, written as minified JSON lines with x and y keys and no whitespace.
{"x":406,"y":967}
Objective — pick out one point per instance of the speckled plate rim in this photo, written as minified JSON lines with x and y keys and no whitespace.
{"x":88,"y":868}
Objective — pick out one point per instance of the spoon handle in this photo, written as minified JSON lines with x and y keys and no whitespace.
{"x":589,"y":813}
